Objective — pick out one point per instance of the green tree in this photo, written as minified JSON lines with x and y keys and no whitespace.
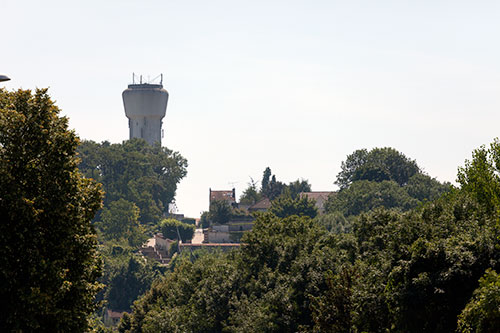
{"x":333,"y":311}
{"x":285,"y":206}
{"x":250,"y":195}
{"x":424,"y":188}
{"x":382,"y":177}
{"x":135,"y":171}
{"x":480,"y":176}
{"x":220,"y":212}
{"x":335,"y":222}
{"x":271,"y":188}
{"x":265,"y":180}
{"x":298,"y":186}
{"x":49,"y":264}
{"x":275,"y":188}
{"x":129,"y":281}
{"x":378,"y":164}
{"x":482,"y":313}
{"x":169,"y":229}
{"x":363,"y":196}
{"x":120,"y":221}
{"x":204,"y":220}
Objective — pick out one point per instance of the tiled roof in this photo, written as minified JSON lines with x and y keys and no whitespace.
{"x":115,"y":314}
{"x":316,"y":195}
{"x":262,"y":204}
{"x":222,"y":195}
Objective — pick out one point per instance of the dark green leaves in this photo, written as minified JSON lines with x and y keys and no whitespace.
{"x":49,"y":265}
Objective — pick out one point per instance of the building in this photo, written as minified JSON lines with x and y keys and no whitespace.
{"x":145,"y":106}
{"x":112,"y":318}
{"x":319,"y":197}
{"x":225,"y":195}
{"x":260,"y":206}
{"x":157,"y":248}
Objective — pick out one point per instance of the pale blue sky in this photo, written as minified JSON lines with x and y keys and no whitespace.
{"x":293,"y":85}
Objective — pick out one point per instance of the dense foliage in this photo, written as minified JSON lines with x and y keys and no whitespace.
{"x":120,"y":221}
{"x":419,"y":270}
{"x":49,"y":264}
{"x":378,"y":164}
{"x":127,"y":276}
{"x":172,"y":228}
{"x":140,"y":182}
{"x":136,"y":172}
{"x":285,"y":206}
{"x":381,"y":177}
{"x":220,"y":212}
{"x":272,"y":188}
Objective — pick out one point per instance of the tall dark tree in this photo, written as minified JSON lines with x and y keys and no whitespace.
{"x":265,"y":180}
{"x":298,"y":186}
{"x":49,"y":263}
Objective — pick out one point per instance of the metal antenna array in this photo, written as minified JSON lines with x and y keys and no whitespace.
{"x":148,"y":81}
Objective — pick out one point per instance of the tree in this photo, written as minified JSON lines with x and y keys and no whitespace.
{"x":335,"y":222}
{"x":271,"y":188}
{"x":135,"y":171}
{"x":377,"y":164}
{"x":482,"y":313}
{"x":382,"y":177}
{"x":480,"y":177}
{"x":332,"y":311}
{"x":204,"y":220}
{"x":363,"y":196}
{"x":120,"y":221}
{"x":128,"y":282}
{"x":422,"y":187}
{"x":275,"y":188}
{"x":169,"y":229}
{"x":250,"y":195}
{"x":49,"y":264}
{"x":220,"y":212}
{"x":298,"y":186}
{"x":285,"y":206}
{"x":265,"y":180}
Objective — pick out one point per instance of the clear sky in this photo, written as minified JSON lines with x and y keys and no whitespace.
{"x":293,"y":85}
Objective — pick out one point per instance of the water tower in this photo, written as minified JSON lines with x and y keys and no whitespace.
{"x":145,"y":106}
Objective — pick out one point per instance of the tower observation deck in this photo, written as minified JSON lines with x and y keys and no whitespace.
{"x":145,"y":106}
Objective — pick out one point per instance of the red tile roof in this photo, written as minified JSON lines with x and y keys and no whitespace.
{"x":222,"y":195}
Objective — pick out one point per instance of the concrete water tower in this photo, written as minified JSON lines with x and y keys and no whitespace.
{"x":145,"y":106}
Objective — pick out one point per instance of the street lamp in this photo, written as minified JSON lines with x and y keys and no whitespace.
{"x":4,"y":78}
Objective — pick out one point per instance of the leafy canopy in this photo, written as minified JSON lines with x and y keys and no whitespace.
{"x":382,"y":177}
{"x":135,"y":171}
{"x":49,"y":264}
{"x":378,"y":164}
{"x":169,"y":229}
